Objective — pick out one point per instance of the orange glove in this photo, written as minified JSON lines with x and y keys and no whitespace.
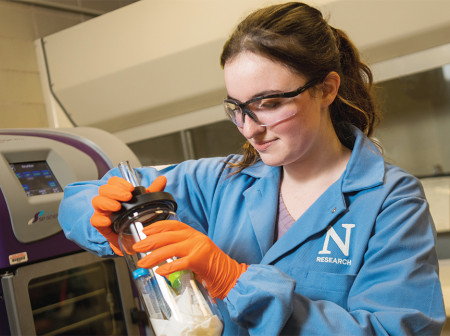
{"x":116,"y":190}
{"x":194,"y":250}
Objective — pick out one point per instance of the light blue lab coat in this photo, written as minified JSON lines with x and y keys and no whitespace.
{"x":360,"y":261}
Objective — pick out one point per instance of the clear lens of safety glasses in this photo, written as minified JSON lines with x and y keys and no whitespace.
{"x":265,"y":112}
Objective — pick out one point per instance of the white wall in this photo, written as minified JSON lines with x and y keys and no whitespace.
{"x":21,"y":98}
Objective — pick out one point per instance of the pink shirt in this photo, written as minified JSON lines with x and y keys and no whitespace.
{"x":285,"y":219}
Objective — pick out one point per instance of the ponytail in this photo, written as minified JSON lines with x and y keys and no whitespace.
{"x":355,"y":103}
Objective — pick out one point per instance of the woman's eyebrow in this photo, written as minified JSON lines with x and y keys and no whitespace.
{"x":257,"y":95}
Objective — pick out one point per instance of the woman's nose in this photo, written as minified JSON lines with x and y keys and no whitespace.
{"x":250,"y":128}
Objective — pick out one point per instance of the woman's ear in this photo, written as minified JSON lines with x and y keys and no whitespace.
{"x":330,"y":87}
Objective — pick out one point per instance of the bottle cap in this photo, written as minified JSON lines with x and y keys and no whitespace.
{"x":140,"y":272}
{"x":141,"y":202}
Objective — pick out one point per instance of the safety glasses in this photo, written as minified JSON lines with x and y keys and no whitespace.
{"x":265,"y":110}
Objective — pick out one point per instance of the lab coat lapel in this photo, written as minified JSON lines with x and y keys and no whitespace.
{"x":324,"y":212}
{"x":261,"y":201}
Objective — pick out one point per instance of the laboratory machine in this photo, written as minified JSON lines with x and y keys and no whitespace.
{"x":48,"y":284}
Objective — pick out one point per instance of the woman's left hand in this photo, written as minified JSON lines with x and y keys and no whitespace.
{"x":194,"y":250}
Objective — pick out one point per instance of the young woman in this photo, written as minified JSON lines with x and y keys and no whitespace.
{"x":309,"y":231}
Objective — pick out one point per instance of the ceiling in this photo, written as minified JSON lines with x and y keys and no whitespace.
{"x":88,"y":7}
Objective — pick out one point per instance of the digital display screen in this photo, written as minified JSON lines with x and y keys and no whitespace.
{"x":36,"y":178}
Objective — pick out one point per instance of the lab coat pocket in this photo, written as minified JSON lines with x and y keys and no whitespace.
{"x":324,"y":286}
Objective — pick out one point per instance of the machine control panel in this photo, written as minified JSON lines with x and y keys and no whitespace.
{"x":34,"y":172}
{"x":36,"y":178}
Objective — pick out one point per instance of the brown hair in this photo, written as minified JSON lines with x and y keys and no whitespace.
{"x":297,"y":36}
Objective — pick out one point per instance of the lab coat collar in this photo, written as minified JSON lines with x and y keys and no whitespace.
{"x":259,"y":170}
{"x":261,"y":202}
{"x":366,"y":167}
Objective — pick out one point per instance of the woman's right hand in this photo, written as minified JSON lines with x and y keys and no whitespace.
{"x":110,"y":196}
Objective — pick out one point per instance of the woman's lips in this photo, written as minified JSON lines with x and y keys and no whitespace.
{"x":261,"y":146}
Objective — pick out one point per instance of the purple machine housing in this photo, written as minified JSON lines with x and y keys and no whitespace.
{"x":32,"y":243}
{"x":55,"y":244}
